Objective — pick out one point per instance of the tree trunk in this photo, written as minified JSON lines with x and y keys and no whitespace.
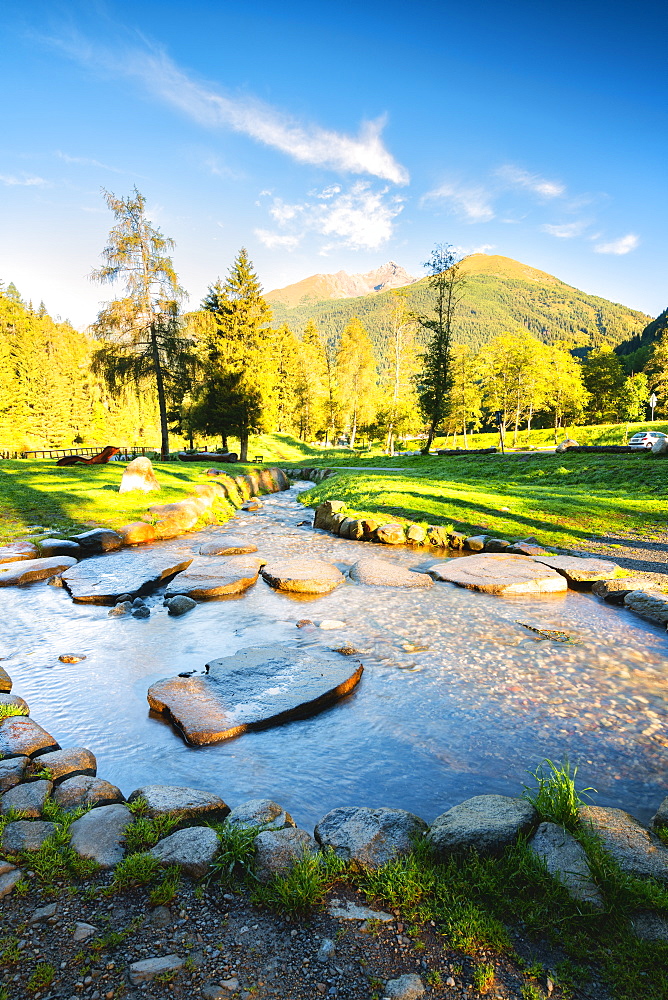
{"x":225,"y":445}
{"x":243,"y":444}
{"x":466,"y":443}
{"x":430,"y":437}
{"x":353,"y":433}
{"x":162,"y":402}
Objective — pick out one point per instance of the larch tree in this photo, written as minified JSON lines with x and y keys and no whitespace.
{"x":466,"y":392}
{"x":312,"y":381}
{"x":567,"y":395}
{"x":356,"y":375}
{"x":398,"y":369}
{"x":604,"y":376}
{"x":140,"y":334}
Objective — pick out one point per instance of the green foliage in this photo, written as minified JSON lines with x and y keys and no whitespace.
{"x":304,"y":886}
{"x":134,"y":870}
{"x":113,"y":939}
{"x":145,"y":832}
{"x":9,"y":950}
{"x":555,"y":797}
{"x":41,"y":978}
{"x":234,"y":861}
{"x":55,"y":863}
{"x":7,"y":711}
{"x":483,"y":977}
{"x":166,"y":891}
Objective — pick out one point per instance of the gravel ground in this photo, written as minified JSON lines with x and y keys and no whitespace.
{"x":635,"y":553}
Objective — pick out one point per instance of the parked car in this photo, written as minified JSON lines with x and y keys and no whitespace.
{"x":645,"y":439}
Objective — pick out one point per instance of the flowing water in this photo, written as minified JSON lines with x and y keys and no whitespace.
{"x":457,"y":698}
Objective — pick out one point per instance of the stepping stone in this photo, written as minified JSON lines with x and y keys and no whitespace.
{"x":500,"y":574}
{"x":486,"y":823}
{"x":278,"y":851}
{"x":260,"y":812}
{"x":383,"y":573}
{"x":12,"y":772}
{"x":98,"y":540}
{"x":213,"y":577}
{"x":99,"y":834}
{"x":637,"y":851}
{"x":103,"y":579}
{"x":369,"y":837}
{"x":5,"y":681}
{"x":192,"y":850}
{"x":20,"y":736}
{"x":189,"y":803}
{"x":26,"y":835}
{"x":27,"y":799}
{"x":578,"y":570}
{"x":566,"y":860}
{"x":86,"y":791}
{"x":228,"y":545}
{"x":17,"y":574}
{"x":18,"y":551}
{"x":49,"y":547}
{"x":65,"y":764}
{"x":302,"y":576}
{"x":650,"y":604}
{"x":252,"y":689}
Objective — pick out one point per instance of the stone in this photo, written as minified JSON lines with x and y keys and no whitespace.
{"x":496,"y":545}
{"x":254,"y":688}
{"x":188,"y":803}
{"x":26,"y":835}
{"x":103,"y":579}
{"x":180,"y":605}
{"x":28,"y":799}
{"x":231,"y":985}
{"x":63,"y":764}
{"x":637,"y":851}
{"x":383,"y":573}
{"x":212,"y":991}
{"x":14,"y":702}
{"x":138,"y":475}
{"x":43,"y":913}
{"x":327,"y":624}
{"x":326,"y":950}
{"x":18,"y":552}
{"x":649,"y":604}
{"x":160,"y":916}
{"x":659,"y":820}
{"x":406,"y":987}
{"x":9,"y":879}
{"x":438,"y":536}
{"x":650,"y":926}
{"x":456,"y":539}
{"x":416,"y":534}
{"x":486,"y":823}
{"x":565,"y":445}
{"x":578,"y":570}
{"x":345,"y":909}
{"x":228,"y":545}
{"x":71,"y":657}
{"x":29,"y":570}
{"x":86,"y":791}
{"x":5,"y":681}
{"x":83,"y":931}
{"x":347,"y":525}
{"x":141,"y":612}
{"x":192,"y":850}
{"x":20,"y":736}
{"x":369,"y":837}
{"x":215,"y":577}
{"x":120,"y":609}
{"x":98,"y":540}
{"x":475,"y":543}
{"x":277,"y":851}
{"x":50,"y":547}
{"x":252,"y":506}
{"x":12,"y":772}
{"x":260,"y":812}
{"x":526,"y":549}
{"x":137,"y":533}
{"x":620,"y":586}
{"x":147,"y":970}
{"x":98,"y":834}
{"x":173,"y":519}
{"x":566,"y":860}
{"x":302,"y":576}
{"x":325,"y":511}
{"x":500,"y":574}
{"x":391,"y":534}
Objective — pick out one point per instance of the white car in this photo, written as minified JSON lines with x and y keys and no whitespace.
{"x":645,"y":439}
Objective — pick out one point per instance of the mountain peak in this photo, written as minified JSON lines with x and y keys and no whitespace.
{"x":341,"y":285}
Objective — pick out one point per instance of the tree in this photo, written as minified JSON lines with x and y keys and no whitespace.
{"x":567,"y":396}
{"x":311,"y":385}
{"x":399,"y":364}
{"x":657,"y":368}
{"x":356,"y":375}
{"x":634,"y":397}
{"x":434,"y":382}
{"x":604,"y":376}
{"x":465,"y":397}
{"x":140,"y":334}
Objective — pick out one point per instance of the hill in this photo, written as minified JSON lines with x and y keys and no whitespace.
{"x":340,"y":285}
{"x":502,"y":295}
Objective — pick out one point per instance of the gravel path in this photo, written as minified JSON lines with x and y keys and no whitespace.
{"x":634,"y":553}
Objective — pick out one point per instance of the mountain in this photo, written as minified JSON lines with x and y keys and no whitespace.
{"x":341,"y":285}
{"x":501,"y":296}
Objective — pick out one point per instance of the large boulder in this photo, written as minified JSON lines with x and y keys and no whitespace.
{"x":103,"y":579}
{"x":391,"y":533}
{"x":228,"y":545}
{"x":212,"y":577}
{"x":12,"y":772}
{"x":369,"y":837}
{"x":566,"y":860}
{"x":138,"y":475}
{"x":500,"y":574}
{"x":97,"y":541}
{"x":649,"y":604}
{"x":277,"y":851}
{"x":26,"y":835}
{"x":302,"y":576}
{"x":99,"y":834}
{"x":87,"y":792}
{"x":64,"y":764}
{"x":383,"y":573}
{"x":20,"y":736}
{"x":254,"y":688}
{"x":260,"y":812}
{"x":192,"y":850}
{"x":637,"y":851}
{"x":187,"y":803}
{"x":17,"y":574}
{"x":27,"y":799}
{"x":578,"y":570}
{"x":487,"y":823}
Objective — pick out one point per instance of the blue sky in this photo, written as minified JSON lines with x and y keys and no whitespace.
{"x":326,"y":136}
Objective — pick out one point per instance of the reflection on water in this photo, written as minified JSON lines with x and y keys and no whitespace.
{"x":457,"y":699}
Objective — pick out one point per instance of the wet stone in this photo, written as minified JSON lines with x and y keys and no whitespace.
{"x":30,"y":570}
{"x":49,"y":547}
{"x":621,"y":585}
{"x":5,"y":681}
{"x":302,"y":576}
{"x":650,"y":604}
{"x":369,"y":837}
{"x":637,"y":851}
{"x":180,"y":605}
{"x":98,"y":835}
{"x":12,"y":772}
{"x":254,"y":688}
{"x":578,"y":570}
{"x":383,"y":573}
{"x":214,"y":577}
{"x":28,"y":799}
{"x":20,"y":736}
{"x":98,"y":540}
{"x":13,"y":701}
{"x":228,"y":545}
{"x":260,"y":812}
{"x":18,"y":552}
{"x":189,"y":803}
{"x":500,"y":574}
{"x":487,"y":823}
{"x":86,"y":791}
{"x":26,"y":835}
{"x":65,"y":764}
{"x":102,"y":579}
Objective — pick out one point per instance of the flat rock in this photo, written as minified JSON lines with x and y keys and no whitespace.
{"x":227,"y":545}
{"x":578,"y":570}
{"x":621,"y":585}
{"x":20,"y":736}
{"x":179,"y":605}
{"x":383,"y":573}
{"x":12,"y":772}
{"x":659,"y":820}
{"x":8,"y":880}
{"x":50,"y":547}
{"x":98,"y":834}
{"x":18,"y":551}
{"x":345,"y":909}
{"x":149,"y":968}
{"x":260,"y":812}
{"x":84,"y":790}
{"x":189,"y":803}
{"x":500,"y":574}
{"x":302,"y":576}
{"x":252,"y":689}
{"x":83,"y":931}
{"x":63,"y":764}
{"x":406,"y":987}
{"x":649,"y":604}
{"x":98,"y":540}
{"x":192,"y":850}
{"x":487,"y":823}
{"x":637,"y":851}
{"x":28,"y":571}
{"x":26,"y":835}
{"x":5,"y":681}
{"x":391,"y":534}
{"x":139,"y":475}
{"x":566,"y":860}
{"x":277,"y":851}
{"x":369,"y":837}
{"x":103,"y":579}
{"x":28,"y":799}
{"x":213,"y":577}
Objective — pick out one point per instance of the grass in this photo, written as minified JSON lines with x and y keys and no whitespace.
{"x":234,"y":861}
{"x":555,"y":797}
{"x":7,"y":711}
{"x":304,"y":886}
{"x":145,"y":833}
{"x":42,"y":977}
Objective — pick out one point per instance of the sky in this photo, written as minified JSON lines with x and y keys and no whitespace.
{"x":327,"y":136}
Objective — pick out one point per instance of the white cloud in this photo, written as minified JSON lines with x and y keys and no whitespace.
{"x":483,"y":248}
{"x":625,"y":244}
{"x":25,"y":181}
{"x":473,"y":203}
{"x":86,"y":161}
{"x":282,"y":212}
{"x":517,"y":177}
{"x":275,"y":241}
{"x":566,"y":231}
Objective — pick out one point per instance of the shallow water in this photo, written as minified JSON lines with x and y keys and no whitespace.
{"x":485,"y":700}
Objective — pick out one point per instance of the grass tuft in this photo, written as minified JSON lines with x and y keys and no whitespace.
{"x":304,"y":886}
{"x":555,"y":797}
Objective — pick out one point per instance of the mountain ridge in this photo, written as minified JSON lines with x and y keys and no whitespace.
{"x":341,"y":285}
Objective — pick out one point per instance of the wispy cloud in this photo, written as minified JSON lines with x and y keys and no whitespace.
{"x":625,"y":244}
{"x":567,"y":230}
{"x":86,"y":161}
{"x":471,"y":203}
{"x":517,"y":177}
{"x":275,"y":241}
{"x":25,"y":180}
